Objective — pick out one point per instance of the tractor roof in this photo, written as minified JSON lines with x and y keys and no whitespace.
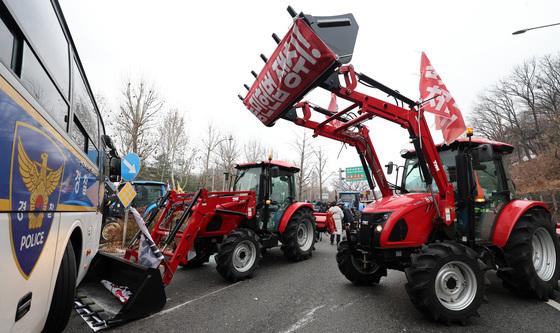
{"x":503,"y":147}
{"x":280,"y":164}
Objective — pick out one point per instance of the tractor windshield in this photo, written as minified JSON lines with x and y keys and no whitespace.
{"x":247,"y":180}
{"x":412,"y":178}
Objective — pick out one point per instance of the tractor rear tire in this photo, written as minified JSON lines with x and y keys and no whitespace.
{"x":62,"y":301}
{"x":446,"y":281}
{"x":298,"y":239}
{"x":350,"y":267}
{"x":239,"y":255}
{"x":532,"y":254}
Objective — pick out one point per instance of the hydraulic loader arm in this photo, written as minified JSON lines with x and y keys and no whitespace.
{"x":316,"y":52}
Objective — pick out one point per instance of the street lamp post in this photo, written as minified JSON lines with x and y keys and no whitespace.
{"x":522,"y":31}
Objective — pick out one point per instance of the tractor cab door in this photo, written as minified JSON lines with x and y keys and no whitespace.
{"x":489,"y":192}
{"x":491,"y":195}
{"x":282,"y":194}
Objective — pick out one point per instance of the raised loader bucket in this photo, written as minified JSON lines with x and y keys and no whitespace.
{"x":307,"y":55}
{"x":140,"y":289}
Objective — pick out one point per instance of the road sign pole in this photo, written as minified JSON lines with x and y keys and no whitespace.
{"x":125,"y":225}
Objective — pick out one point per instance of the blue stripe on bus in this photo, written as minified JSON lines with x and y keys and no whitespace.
{"x":78,"y":184}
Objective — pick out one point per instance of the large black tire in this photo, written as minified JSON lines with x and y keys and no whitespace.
{"x":239,"y":255}
{"x":351,"y":267}
{"x":63,"y":297}
{"x":203,"y":252}
{"x":446,"y":281}
{"x":526,"y":240}
{"x":198,"y":260}
{"x":298,"y":239}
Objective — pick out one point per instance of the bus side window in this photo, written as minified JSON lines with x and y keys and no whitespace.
{"x":40,"y":86}
{"x":40,"y":25}
{"x":85,"y":117}
{"x":78,"y":134}
{"x":7,"y":42}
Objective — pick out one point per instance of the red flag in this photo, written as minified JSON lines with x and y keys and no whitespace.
{"x":333,"y":107}
{"x":440,"y":102}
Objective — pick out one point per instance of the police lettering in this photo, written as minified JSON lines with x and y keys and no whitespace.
{"x":32,"y":240}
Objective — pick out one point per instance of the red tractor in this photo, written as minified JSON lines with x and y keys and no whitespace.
{"x":453,"y":216}
{"x":187,"y":228}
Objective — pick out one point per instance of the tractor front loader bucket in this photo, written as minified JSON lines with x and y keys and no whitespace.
{"x":312,"y":50}
{"x":116,"y":291}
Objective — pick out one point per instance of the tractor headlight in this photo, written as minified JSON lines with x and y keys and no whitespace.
{"x":379,"y":228}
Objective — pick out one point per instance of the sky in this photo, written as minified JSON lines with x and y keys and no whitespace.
{"x":198,"y":54}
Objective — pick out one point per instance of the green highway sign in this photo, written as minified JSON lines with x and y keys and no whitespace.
{"x":355,"y":174}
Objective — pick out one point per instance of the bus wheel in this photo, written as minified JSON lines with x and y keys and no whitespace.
{"x":64,"y":290}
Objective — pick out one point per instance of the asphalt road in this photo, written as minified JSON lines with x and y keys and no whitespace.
{"x":312,"y":296}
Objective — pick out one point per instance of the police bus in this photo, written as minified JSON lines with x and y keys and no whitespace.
{"x":52,"y":167}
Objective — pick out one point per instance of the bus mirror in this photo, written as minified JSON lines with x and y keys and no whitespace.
{"x":114,"y":169}
{"x":109,"y":144}
{"x":483,"y":153}
{"x":390,"y":167}
{"x":275,"y":172}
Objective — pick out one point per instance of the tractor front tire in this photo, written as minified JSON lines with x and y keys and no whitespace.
{"x":200,"y":258}
{"x":298,"y":239}
{"x":354,"y":271}
{"x":203,"y":250}
{"x":239,"y":255}
{"x":446,"y":281}
{"x":532,"y":254}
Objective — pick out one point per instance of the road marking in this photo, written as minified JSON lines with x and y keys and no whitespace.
{"x":166,"y":311}
{"x":554,"y":304}
{"x":303,"y":321}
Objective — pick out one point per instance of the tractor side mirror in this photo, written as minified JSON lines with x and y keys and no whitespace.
{"x":275,"y":172}
{"x":483,"y":153}
{"x":390,"y":167}
{"x":114,"y":169}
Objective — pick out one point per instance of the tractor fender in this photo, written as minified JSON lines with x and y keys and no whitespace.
{"x":289,"y":212}
{"x":509,"y":216}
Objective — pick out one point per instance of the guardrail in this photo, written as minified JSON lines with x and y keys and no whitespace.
{"x":551,"y":198}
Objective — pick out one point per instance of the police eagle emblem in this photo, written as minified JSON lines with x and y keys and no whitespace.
{"x":40,"y":181}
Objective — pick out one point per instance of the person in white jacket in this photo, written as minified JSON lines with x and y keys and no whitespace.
{"x":338,"y":215}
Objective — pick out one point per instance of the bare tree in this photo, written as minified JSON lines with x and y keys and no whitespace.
{"x":228,"y":155}
{"x":186,"y":163}
{"x":303,"y":149}
{"x":320,"y":169}
{"x":137,"y":117}
{"x":254,"y":151}
{"x":209,"y":144}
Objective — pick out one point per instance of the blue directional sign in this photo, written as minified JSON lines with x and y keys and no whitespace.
{"x":130,"y":167}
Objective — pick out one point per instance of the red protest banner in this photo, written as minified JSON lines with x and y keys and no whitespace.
{"x":299,"y":59}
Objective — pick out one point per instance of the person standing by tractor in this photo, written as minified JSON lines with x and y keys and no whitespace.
{"x":338,"y":216}
{"x":348,"y":214}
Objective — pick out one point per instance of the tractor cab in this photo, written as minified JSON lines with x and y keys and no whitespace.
{"x":491,"y":187}
{"x":274,"y":184}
